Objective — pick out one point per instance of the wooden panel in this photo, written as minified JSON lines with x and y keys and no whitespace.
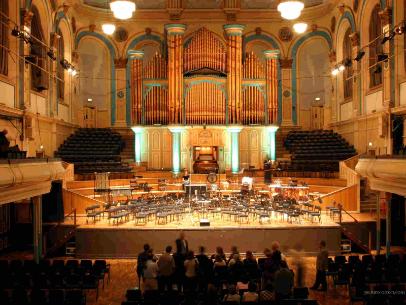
{"x":155,"y":140}
{"x":155,"y":160}
{"x":346,"y":196}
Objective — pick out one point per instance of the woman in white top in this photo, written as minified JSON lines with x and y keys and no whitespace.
{"x":191,"y":267}
{"x":150,"y":273}
{"x":251,"y":295}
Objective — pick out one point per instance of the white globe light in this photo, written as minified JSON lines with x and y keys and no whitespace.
{"x":122,"y":9}
{"x":300,"y":27}
{"x":341,"y":68}
{"x":290,"y":9}
{"x":108,"y":28}
{"x":335,"y":71}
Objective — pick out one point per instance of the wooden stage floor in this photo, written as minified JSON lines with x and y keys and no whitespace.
{"x":103,"y":239}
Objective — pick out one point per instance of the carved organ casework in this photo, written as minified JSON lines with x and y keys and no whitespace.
{"x":204,"y":79}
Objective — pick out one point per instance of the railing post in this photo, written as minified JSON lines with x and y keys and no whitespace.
{"x":340,"y":207}
{"x":74,"y":217}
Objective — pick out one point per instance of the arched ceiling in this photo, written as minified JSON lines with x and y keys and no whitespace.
{"x":201,"y":4}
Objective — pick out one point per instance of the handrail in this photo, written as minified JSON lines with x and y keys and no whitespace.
{"x":345,"y":211}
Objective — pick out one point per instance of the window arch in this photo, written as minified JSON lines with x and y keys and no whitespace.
{"x":38,"y":76}
{"x":60,"y":71}
{"x":4,"y":37}
{"x":348,"y":72}
{"x":375,"y":48}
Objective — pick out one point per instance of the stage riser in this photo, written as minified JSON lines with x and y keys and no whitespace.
{"x":122,"y":243}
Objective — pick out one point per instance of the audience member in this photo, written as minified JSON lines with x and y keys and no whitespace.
{"x":250,"y":265}
{"x":4,"y":142}
{"x":251,"y":295}
{"x":234,"y":251}
{"x":205,"y":270}
{"x":219,"y":252}
{"x":243,"y":284}
{"x":141,"y":260}
{"x":182,"y":246}
{"x":191,"y":267}
{"x":232,"y":295}
{"x":266,"y":294}
{"x":219,"y":261}
{"x":150,"y":273}
{"x":283,"y":282}
{"x":166,"y":268}
{"x":321,"y":267}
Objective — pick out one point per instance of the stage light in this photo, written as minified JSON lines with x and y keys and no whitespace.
{"x":378,"y":69}
{"x":382,"y":57}
{"x":400,"y":29}
{"x":51,"y":54}
{"x":341,"y":68}
{"x":64,"y":63}
{"x":15,"y":32}
{"x":359,"y":55}
{"x":335,"y":71}
{"x":348,"y":62}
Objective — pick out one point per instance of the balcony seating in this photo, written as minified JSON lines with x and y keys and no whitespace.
{"x":317,"y":150}
{"x":94,"y":150}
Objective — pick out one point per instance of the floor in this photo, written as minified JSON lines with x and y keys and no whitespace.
{"x":192,"y":221}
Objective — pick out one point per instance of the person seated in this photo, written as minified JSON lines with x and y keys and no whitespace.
{"x":219,"y":252}
{"x":243,"y":284}
{"x":251,"y":295}
{"x":232,"y":295}
{"x":234,"y":250}
{"x":283,"y":282}
{"x":250,"y":264}
{"x":219,"y":261}
{"x":266,"y":294}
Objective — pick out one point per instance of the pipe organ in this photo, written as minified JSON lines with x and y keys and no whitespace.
{"x":204,"y":79}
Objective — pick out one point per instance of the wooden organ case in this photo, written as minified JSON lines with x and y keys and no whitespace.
{"x":204,"y":79}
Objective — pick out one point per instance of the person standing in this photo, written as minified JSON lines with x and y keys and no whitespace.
{"x":4,"y":142}
{"x":166,"y":268}
{"x":191,"y":267}
{"x":321,"y":267}
{"x":150,"y":272}
{"x":141,"y":261}
{"x":182,"y":248}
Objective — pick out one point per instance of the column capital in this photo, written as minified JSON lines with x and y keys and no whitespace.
{"x":175,"y":28}
{"x":135,"y":55}
{"x":234,"y":128}
{"x":286,"y":63}
{"x":272,"y":128}
{"x":271,"y":54}
{"x":234,"y":29}
{"x":386,"y":16}
{"x":176,"y":128}
{"x":137,"y":129}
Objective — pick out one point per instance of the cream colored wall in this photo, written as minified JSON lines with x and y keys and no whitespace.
{"x":40,"y":123}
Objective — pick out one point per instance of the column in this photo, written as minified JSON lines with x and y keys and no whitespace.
{"x":388,"y":225}
{"x":235,"y":148}
{"x":234,"y":69}
{"x":137,"y":143}
{"x":37,"y":227}
{"x":388,"y":93}
{"x":356,"y":86}
{"x":175,"y":71}
{"x":136,"y":62}
{"x":378,"y":223}
{"x":272,"y":142}
{"x":176,"y":147}
{"x":271,"y":57}
{"x":288,"y":109}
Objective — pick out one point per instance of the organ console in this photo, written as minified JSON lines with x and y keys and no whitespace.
{"x":205,"y":160}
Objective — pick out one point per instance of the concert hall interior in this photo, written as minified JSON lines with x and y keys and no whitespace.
{"x":272,"y":129}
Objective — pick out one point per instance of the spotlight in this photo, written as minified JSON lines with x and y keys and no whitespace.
{"x":341,"y":68}
{"x":15,"y":32}
{"x":359,"y":55}
{"x":347,"y":62}
{"x":378,"y":69}
{"x":388,"y":38}
{"x":400,"y":29}
{"x":382,"y":57}
{"x":335,"y":71}
{"x":65,"y":64}
{"x":51,"y":54}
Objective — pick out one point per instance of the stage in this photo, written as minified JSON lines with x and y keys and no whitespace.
{"x":103,"y":239}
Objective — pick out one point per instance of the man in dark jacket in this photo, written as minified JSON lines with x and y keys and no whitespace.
{"x":321,"y":267}
{"x":141,"y":260}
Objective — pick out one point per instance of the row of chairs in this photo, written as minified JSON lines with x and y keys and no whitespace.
{"x":43,"y":297}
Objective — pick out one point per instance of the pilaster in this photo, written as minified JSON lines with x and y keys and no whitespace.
{"x":234,"y":69}
{"x":271,"y":57}
{"x":136,"y":58}
{"x":175,"y":70}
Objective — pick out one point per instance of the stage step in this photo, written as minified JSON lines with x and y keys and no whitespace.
{"x":354,"y":239}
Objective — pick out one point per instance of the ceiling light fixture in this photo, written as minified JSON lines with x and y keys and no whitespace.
{"x":122,"y":9}
{"x":108,"y":28}
{"x":290,"y":9}
{"x":300,"y":27}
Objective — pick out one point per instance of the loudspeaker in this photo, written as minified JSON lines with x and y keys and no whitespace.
{"x":204,"y":222}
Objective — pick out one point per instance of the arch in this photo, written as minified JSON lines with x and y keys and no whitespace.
{"x":366,"y":3}
{"x":273,"y":43}
{"x":349,"y":16}
{"x":134,"y":42}
{"x":326,"y":36}
{"x":104,"y":40}
{"x":42,"y":6}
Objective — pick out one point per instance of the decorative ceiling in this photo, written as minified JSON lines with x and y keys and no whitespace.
{"x":201,"y":4}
